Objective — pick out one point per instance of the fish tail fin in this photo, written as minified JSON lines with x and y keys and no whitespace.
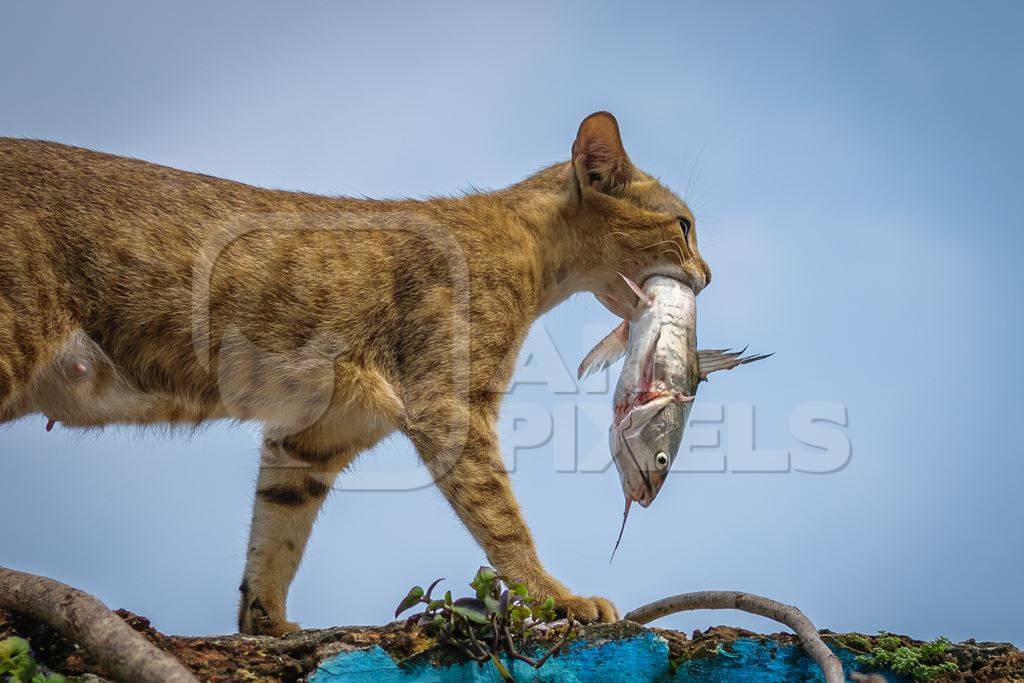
{"x":712,"y":360}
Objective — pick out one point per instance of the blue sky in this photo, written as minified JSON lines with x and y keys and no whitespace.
{"x":853,"y":172}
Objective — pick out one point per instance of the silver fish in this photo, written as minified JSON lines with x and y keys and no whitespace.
{"x":658,"y":383}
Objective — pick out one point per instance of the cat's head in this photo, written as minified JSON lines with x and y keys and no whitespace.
{"x":638,"y":226}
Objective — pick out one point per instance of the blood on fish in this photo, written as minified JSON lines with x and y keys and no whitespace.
{"x":639,"y":398}
{"x":648,"y":396}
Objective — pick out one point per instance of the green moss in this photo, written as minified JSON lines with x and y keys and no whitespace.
{"x":854,"y":642}
{"x":716,"y":642}
{"x":922,"y":662}
{"x":17,"y":665}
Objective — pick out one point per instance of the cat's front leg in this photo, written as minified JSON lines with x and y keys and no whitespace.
{"x":464,"y":458}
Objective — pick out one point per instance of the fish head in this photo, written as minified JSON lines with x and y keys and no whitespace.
{"x":644,"y":444}
{"x":630,"y":220}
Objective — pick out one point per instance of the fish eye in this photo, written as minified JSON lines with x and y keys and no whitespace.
{"x":685,"y":225}
{"x":661,"y":460}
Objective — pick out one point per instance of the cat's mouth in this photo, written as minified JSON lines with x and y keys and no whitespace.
{"x":690,"y":279}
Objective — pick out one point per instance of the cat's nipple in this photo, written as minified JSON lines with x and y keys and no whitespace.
{"x":77,"y":370}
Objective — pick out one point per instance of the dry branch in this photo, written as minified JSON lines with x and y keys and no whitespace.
{"x":755,"y":604}
{"x":124,"y":654}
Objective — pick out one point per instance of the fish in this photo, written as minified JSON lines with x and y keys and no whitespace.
{"x":658,"y":382}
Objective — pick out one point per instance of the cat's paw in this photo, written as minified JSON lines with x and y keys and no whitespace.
{"x":261,"y":625}
{"x":280,"y":628}
{"x":256,"y":620}
{"x":586,"y":610}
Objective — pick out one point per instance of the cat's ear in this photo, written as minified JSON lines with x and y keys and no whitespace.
{"x":598,"y":157}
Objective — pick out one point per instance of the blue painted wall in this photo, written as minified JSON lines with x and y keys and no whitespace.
{"x":635,"y":659}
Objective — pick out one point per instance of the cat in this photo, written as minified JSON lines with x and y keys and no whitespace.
{"x":132,"y":293}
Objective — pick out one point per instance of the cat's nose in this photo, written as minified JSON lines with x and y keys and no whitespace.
{"x":707,"y":272}
{"x":699,"y":274}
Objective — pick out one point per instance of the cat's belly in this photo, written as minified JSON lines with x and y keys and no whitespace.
{"x":79,"y":386}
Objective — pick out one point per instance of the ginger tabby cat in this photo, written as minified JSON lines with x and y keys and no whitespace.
{"x":132,"y":293}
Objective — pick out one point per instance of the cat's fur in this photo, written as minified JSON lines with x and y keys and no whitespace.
{"x":135,"y":293}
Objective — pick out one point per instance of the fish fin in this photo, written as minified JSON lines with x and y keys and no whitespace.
{"x":712,"y":360}
{"x":633,"y":423}
{"x":623,"y":310}
{"x":644,"y":297}
{"x":606,"y":352}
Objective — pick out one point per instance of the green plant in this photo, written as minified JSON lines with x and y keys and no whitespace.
{"x":497,"y":620}
{"x":923,"y":662}
{"x":17,"y":665}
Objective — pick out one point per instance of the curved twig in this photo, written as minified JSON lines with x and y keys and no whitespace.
{"x":111,"y":643}
{"x":755,"y":604}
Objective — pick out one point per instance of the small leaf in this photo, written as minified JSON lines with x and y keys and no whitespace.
{"x":483,"y":581}
{"x":520,"y":612}
{"x":448,"y":598}
{"x":545,"y":611}
{"x":13,"y":647}
{"x":413,"y":597}
{"x":520,"y":590}
{"x":493,"y":604}
{"x":472,"y":609}
{"x":16,"y":659}
{"x":430,"y":589}
{"x":471,"y":602}
{"x":471,"y":614}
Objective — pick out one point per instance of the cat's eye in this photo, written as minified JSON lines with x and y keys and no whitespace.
{"x":685,"y":226}
{"x":661,"y":460}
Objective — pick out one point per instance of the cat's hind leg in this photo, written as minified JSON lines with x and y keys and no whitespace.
{"x":7,"y":412}
{"x":26,"y":344}
{"x":34,"y":321}
{"x":297,"y":470}
{"x":296,"y":474}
